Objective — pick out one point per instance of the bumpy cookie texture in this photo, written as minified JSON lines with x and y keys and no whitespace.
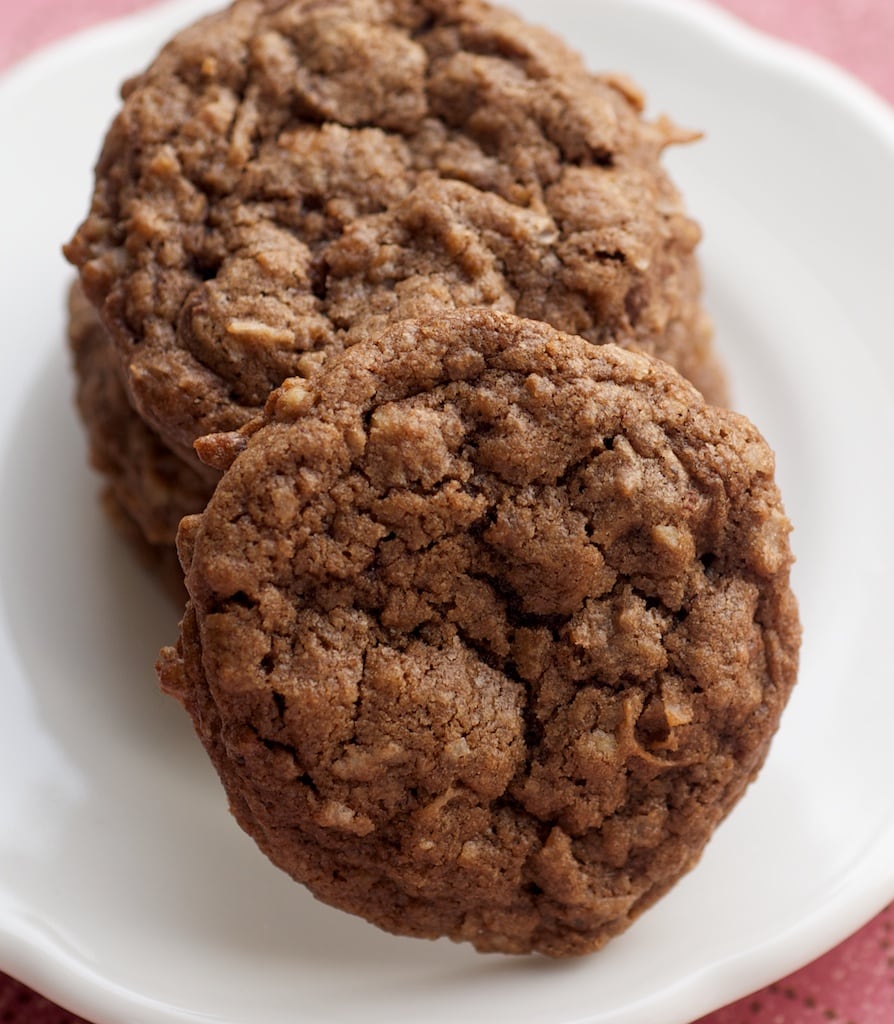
{"x":289,"y":176}
{"x":488,"y":629}
{"x":150,"y":487}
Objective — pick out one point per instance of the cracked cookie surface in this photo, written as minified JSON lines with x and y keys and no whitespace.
{"x":489,"y":628}
{"x":289,"y":176}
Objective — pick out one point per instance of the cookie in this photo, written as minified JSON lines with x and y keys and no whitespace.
{"x":285,"y":172}
{"x":489,"y":628}
{"x":151,"y":488}
{"x":159,"y":560}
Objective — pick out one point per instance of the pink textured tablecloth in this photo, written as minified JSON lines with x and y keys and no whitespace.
{"x":854,"y":983}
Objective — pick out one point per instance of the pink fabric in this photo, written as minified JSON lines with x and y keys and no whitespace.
{"x":27,"y":24}
{"x":857,"y":34}
{"x":854,"y":983}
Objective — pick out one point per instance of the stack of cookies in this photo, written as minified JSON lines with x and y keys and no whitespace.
{"x":388,"y":314}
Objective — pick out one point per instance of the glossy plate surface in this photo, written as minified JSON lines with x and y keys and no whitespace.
{"x":127,"y":893}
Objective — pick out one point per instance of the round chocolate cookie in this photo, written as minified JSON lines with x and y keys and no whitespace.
{"x":489,"y":628}
{"x":286,"y":171}
{"x":151,"y":488}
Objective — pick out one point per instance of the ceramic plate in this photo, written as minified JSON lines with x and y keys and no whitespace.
{"x":127,"y":893}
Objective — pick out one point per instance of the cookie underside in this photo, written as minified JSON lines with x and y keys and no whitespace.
{"x":489,"y":628}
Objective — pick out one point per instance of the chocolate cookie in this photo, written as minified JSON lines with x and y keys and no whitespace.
{"x":285,"y":172}
{"x":160,"y":560}
{"x":151,"y":488}
{"x":489,"y":628}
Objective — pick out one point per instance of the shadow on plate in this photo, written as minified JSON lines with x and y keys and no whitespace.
{"x":87,"y":620}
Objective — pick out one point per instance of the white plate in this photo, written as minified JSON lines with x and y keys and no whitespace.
{"x":127,"y":893}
